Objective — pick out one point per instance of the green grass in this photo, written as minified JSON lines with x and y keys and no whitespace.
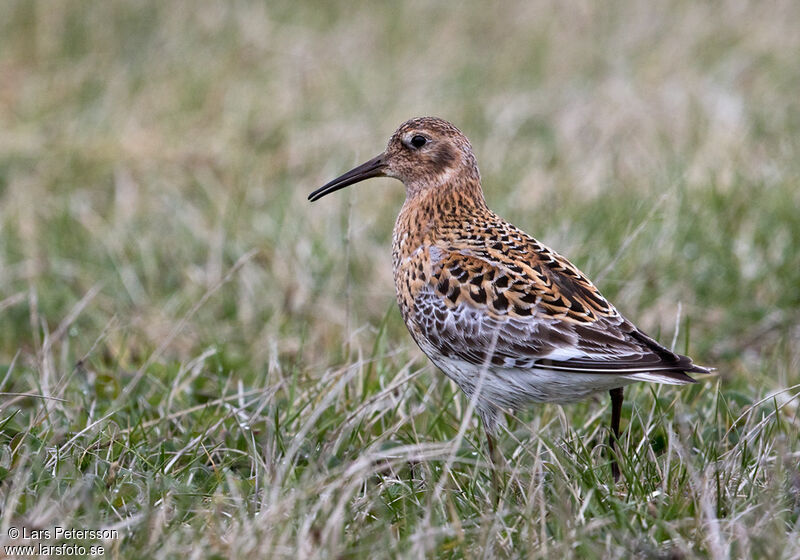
{"x":194,"y":355}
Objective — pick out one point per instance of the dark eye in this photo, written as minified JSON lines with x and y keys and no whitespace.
{"x":418,"y":141}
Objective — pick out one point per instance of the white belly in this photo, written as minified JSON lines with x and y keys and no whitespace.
{"x":514,"y":388}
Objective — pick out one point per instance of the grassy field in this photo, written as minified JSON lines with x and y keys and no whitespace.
{"x":193,"y":355}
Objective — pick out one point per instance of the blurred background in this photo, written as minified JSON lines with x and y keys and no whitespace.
{"x":146,"y":146}
{"x":155,"y":159}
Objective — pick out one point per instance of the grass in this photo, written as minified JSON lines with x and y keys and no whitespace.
{"x":193,"y":355}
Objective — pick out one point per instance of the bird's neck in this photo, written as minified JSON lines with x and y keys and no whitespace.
{"x":427,"y":210}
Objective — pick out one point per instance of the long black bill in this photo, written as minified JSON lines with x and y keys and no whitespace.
{"x":367,"y":170}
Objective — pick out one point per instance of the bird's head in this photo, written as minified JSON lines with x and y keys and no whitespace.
{"x":424,"y":153}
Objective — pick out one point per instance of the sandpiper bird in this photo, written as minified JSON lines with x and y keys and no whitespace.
{"x":508,"y":319}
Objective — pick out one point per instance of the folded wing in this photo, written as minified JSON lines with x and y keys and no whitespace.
{"x":534,"y":310}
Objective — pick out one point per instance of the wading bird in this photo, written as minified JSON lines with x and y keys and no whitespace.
{"x":508,"y":319}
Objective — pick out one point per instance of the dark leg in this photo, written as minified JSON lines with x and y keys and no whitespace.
{"x":616,"y":410}
{"x":495,"y":465}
